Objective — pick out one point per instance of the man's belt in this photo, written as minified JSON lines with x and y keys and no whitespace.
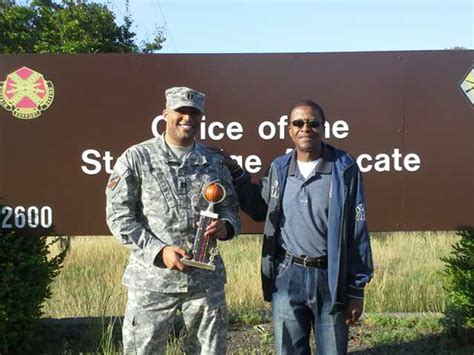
{"x":320,"y":263}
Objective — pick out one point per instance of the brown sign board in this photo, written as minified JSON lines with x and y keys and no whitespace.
{"x":406,"y":117}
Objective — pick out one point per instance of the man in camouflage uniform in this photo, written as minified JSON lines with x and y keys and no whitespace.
{"x":153,"y":197}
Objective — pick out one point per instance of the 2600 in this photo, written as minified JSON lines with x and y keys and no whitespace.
{"x":32,"y":217}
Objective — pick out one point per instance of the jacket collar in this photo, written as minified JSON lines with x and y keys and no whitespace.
{"x":324,"y":166}
{"x":341,"y":160}
{"x":196,"y":157}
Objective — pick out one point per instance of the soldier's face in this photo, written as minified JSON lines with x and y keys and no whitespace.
{"x":182,"y":125}
{"x":306,"y":137}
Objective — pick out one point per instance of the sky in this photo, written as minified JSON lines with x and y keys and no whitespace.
{"x":264,"y":26}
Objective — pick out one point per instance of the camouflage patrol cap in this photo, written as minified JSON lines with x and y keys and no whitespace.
{"x":177,"y":97}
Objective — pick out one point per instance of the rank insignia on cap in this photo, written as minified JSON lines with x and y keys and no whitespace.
{"x":177,"y":97}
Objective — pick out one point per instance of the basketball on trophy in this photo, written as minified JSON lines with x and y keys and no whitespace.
{"x":214,"y":192}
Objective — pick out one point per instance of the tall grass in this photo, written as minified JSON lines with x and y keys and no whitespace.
{"x":407,"y":269}
{"x":406,"y":278}
{"x":243,"y":288}
{"x":89,"y":285}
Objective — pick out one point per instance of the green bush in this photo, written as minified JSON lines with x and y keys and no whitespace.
{"x":25,"y":276}
{"x":459,"y":286}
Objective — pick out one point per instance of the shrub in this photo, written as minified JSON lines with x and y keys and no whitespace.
{"x":25,"y":276}
{"x":459,"y":286}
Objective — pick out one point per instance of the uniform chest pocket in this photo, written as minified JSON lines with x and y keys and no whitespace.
{"x":157,"y":188}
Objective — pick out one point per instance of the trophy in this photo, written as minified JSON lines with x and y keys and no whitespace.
{"x":204,"y":249}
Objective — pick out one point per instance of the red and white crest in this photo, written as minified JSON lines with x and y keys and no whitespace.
{"x":26,"y":93}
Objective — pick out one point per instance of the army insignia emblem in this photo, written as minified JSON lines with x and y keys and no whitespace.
{"x":467,"y":85}
{"x":25,"y":93}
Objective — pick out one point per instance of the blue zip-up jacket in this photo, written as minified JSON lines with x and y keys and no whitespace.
{"x":349,"y":254}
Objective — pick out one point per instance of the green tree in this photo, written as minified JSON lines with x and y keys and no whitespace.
{"x":457,"y":48}
{"x":27,"y":270}
{"x":69,"y":26}
{"x":459,"y":286}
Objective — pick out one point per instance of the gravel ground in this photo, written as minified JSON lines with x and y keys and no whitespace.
{"x":258,"y":339}
{"x":74,"y":336}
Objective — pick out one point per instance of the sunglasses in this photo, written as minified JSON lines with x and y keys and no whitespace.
{"x":311,"y":123}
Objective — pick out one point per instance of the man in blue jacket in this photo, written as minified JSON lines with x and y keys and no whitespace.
{"x":316,"y":257}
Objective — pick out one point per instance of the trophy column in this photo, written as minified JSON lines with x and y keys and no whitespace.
{"x":204,"y":250}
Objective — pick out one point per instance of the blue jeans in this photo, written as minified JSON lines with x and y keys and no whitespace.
{"x":301,"y":302}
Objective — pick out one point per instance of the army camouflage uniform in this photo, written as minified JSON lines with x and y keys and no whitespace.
{"x":153,"y":201}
